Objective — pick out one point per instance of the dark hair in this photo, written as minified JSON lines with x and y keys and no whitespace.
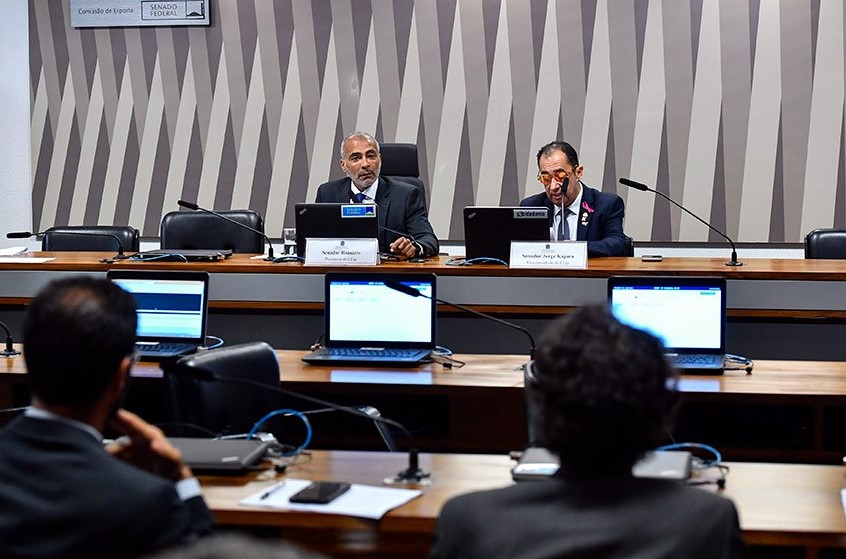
{"x":564,"y":148}
{"x":226,"y":545}
{"x":76,"y":332}
{"x":601,"y":391}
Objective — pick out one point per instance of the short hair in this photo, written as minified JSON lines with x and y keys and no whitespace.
{"x":363,"y":135}
{"x":564,"y":148}
{"x":604,"y":392}
{"x":76,"y":332}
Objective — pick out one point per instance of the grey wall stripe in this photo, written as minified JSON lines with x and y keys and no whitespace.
{"x":686,"y":95}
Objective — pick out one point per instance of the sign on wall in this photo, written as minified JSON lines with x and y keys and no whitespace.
{"x":131,"y":13}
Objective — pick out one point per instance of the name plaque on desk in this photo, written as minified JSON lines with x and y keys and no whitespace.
{"x":571,"y":255}
{"x":341,"y":252}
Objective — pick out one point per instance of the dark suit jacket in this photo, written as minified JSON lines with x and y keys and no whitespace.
{"x":62,"y":495}
{"x":401,"y":208}
{"x":600,"y":221}
{"x":608,"y":518}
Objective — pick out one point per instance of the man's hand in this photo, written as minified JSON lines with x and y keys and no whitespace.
{"x":145,"y":446}
{"x":404,"y":248}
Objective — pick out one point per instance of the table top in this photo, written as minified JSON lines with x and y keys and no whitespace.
{"x":753,"y":268}
{"x":778,"y":504}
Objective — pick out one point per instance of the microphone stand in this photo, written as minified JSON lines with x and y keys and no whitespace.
{"x":642,"y":187}
{"x":412,"y":475}
{"x":193,"y":206}
{"x":9,"y":351}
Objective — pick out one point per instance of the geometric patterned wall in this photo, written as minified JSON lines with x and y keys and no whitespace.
{"x":733,"y":107}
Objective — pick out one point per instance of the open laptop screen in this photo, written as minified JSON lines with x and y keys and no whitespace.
{"x":686,"y":314}
{"x":362,"y":311}
{"x":170,"y":305}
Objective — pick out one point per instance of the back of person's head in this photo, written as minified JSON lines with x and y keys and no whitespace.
{"x":601,"y":392}
{"x":76,"y":332}
{"x":237,"y":546}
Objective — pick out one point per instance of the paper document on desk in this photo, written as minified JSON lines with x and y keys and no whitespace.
{"x":364,"y":501}
{"x":14,"y":251}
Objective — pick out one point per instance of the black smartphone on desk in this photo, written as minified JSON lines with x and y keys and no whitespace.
{"x":320,"y":492}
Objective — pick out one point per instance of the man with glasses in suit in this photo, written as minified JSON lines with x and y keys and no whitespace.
{"x":578,"y":212}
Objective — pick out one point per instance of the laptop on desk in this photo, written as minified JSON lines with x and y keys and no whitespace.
{"x":172,"y":309}
{"x":687,"y":314}
{"x":368,"y":323}
{"x":217,"y":456}
{"x":489,"y":230}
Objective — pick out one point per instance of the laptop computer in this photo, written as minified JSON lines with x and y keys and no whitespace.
{"x":368,"y":323}
{"x":334,"y":221}
{"x":220,"y":455}
{"x":184,"y":255}
{"x":687,"y":314}
{"x":540,"y":463}
{"x":172,"y":309}
{"x":489,"y":230}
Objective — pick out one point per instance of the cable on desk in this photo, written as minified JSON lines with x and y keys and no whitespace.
{"x":696,"y":462}
{"x":218,"y":344}
{"x":481,"y":260}
{"x":286,"y":411}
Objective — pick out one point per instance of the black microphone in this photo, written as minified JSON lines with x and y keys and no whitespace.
{"x":119,"y":256}
{"x":644,"y":188}
{"x":411,"y":475}
{"x":9,"y":351}
{"x":400,"y":233}
{"x":193,"y":206}
{"x":408,"y":290}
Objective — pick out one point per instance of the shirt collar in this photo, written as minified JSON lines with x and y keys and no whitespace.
{"x":39,"y":413}
{"x":576,"y":204}
{"x":370,"y":191}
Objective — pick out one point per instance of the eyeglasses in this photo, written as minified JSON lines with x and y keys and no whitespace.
{"x":559,"y":175}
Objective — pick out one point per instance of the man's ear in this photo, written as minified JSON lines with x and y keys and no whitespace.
{"x":122,"y":375}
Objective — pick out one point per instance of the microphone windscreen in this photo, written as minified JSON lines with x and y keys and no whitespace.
{"x":635,"y":185}
{"x":19,"y":235}
{"x":189,"y":205}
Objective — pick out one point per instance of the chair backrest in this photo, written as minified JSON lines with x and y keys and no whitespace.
{"x":200,"y":230}
{"x":215,"y":405}
{"x":826,"y":243}
{"x":99,"y":238}
{"x":399,"y":161}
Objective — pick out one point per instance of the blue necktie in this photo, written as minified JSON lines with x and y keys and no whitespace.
{"x":357,"y":198}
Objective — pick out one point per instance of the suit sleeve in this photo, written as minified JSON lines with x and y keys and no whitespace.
{"x":447,"y":535}
{"x":177,"y":523}
{"x":417,"y":223}
{"x":612,"y":241}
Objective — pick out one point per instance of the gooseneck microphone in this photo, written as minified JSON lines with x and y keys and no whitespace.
{"x":644,"y":188}
{"x":411,"y":475}
{"x":9,"y":351}
{"x":195,"y":207}
{"x":118,"y":256}
{"x":408,"y":290}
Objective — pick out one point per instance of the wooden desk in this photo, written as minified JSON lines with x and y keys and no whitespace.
{"x":778,"y":308}
{"x":779,"y":504}
{"x":784,"y":411}
{"x":761,"y":288}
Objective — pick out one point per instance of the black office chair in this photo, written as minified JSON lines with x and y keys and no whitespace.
{"x":99,"y":238}
{"x":202,"y":407}
{"x":826,"y":243}
{"x":200,"y":230}
{"x":399,"y":161}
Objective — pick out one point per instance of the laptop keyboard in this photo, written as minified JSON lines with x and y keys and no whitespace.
{"x":359,"y":352}
{"x":162,"y":348}
{"x":698,"y":360}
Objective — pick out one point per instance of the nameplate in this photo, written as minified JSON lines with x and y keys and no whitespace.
{"x":341,"y":252}
{"x":134,"y":13}
{"x":549,"y":254}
